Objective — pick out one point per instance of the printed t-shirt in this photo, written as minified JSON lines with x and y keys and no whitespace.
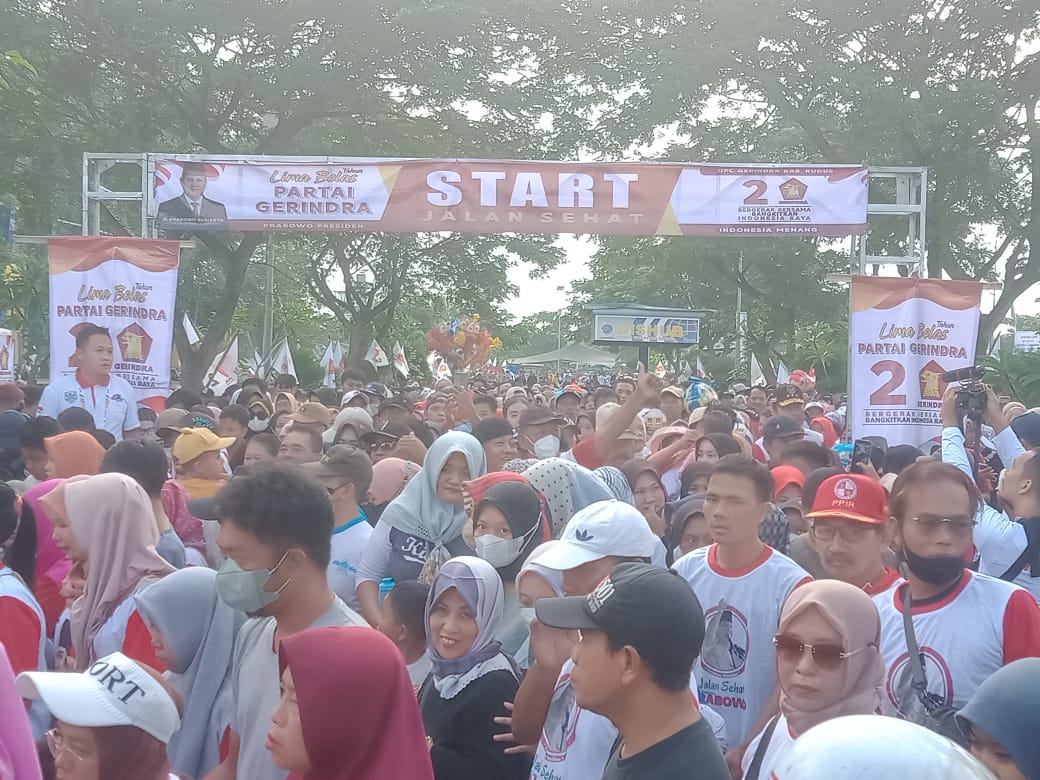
{"x":690,"y":752}
{"x":113,"y":406}
{"x":889,"y":580}
{"x":964,"y":635}
{"x":255,"y":688}
{"x":419,"y":670}
{"x":736,"y":672}
{"x":348,"y":547}
{"x":575,"y":743}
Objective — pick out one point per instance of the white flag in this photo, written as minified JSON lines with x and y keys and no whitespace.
{"x":438,"y":366}
{"x":254,"y":363}
{"x":758,"y":378}
{"x":190,"y":332}
{"x":400,"y":361}
{"x":660,"y":371}
{"x":224,"y":370}
{"x":376,"y":356}
{"x":283,"y":360}
{"x":783,"y":374}
{"x":700,"y":369}
{"x":330,"y":361}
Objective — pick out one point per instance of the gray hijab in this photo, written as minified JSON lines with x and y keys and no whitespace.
{"x":199,"y":629}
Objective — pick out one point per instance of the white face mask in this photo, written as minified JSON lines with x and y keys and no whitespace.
{"x":547,"y":447}
{"x":256,"y":425}
{"x":527,"y":615}
{"x":497,"y":551}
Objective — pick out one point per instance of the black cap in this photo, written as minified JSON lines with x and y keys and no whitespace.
{"x":1027,"y":427}
{"x":395,"y":403}
{"x":789,"y":394}
{"x":539,"y":415}
{"x":204,"y":508}
{"x":492,"y":428}
{"x":781,"y":427}
{"x":389,"y":432}
{"x":652,"y":609}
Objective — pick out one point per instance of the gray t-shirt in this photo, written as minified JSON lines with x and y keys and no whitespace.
{"x":256,"y":691}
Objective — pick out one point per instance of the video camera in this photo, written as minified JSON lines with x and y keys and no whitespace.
{"x":971,"y":395}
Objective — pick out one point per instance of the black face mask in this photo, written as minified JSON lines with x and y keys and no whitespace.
{"x":935,"y":570}
{"x":374,"y":511}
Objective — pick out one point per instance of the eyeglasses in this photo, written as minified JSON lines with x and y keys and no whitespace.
{"x":56,"y":744}
{"x":852,"y":534}
{"x":332,"y":490}
{"x":930,"y":525}
{"x":260,"y":414}
{"x":826,"y":656}
{"x":384,"y":445}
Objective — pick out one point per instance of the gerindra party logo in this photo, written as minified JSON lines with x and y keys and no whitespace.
{"x":793,"y":191}
{"x":930,"y":377}
{"x":134,"y":344}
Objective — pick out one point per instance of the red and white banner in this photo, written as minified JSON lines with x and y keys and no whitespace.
{"x":227,"y":193}
{"x":128,"y":285}
{"x":903,"y":335}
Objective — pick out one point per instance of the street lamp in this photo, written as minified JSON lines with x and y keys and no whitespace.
{"x":559,"y":335}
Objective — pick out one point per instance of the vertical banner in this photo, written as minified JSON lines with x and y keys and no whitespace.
{"x":903,"y":335}
{"x":128,"y":285}
{"x":8,"y":355}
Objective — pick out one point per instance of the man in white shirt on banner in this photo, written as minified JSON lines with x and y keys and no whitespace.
{"x":966,"y":625}
{"x":110,"y":399}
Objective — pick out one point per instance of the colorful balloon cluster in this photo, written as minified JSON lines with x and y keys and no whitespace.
{"x":462,"y":342}
{"x":699,"y":393}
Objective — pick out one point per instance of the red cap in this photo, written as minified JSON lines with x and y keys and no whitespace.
{"x":851,"y":497}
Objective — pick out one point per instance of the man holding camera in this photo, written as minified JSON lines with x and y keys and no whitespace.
{"x":1004,"y":548}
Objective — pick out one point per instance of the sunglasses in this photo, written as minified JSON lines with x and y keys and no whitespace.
{"x":826,"y":656}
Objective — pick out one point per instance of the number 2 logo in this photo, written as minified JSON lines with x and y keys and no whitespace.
{"x":883,"y":396}
{"x":755,"y":198}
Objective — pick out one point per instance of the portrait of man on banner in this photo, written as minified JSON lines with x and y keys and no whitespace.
{"x":191,"y":210}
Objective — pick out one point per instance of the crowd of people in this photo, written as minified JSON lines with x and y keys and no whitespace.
{"x":509,"y":580}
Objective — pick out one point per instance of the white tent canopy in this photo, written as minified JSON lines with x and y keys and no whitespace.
{"x":572,"y":353}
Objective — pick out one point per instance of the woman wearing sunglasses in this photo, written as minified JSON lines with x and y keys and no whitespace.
{"x":827,"y":663}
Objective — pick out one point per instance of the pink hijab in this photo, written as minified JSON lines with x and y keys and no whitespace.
{"x":853,"y":615}
{"x":17,"y":752}
{"x":50,"y":559}
{"x":389,"y":476}
{"x":112,"y":522}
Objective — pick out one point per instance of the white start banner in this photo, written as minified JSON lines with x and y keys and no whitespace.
{"x":128,"y":285}
{"x":904,"y":334}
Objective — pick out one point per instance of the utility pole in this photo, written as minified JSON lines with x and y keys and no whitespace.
{"x":267,"y":338}
{"x":741,"y":318}
{"x":559,"y":335}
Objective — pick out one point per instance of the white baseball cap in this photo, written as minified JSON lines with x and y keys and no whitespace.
{"x":114,"y":691}
{"x":601,"y":529}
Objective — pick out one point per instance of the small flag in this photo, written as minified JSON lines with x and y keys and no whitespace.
{"x":783,"y":374}
{"x":224,"y":370}
{"x":400,"y":361}
{"x":254,"y":363}
{"x":758,"y":378}
{"x":700,"y":369}
{"x":660,"y":371}
{"x":376,"y":356}
{"x":330,"y":361}
{"x":283,"y":360}
{"x":190,"y":332}
{"x":438,"y":366}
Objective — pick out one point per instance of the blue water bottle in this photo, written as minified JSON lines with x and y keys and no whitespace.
{"x":385,"y":586}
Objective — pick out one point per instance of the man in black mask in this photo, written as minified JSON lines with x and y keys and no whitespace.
{"x":966,"y":625}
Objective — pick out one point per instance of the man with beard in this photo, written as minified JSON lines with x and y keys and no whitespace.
{"x":967,"y":625}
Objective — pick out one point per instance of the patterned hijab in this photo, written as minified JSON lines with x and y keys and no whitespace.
{"x":567,"y":488}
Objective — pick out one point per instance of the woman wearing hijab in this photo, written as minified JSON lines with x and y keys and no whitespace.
{"x":18,"y":758}
{"x":714,"y":446}
{"x":827,"y":664}
{"x":1000,"y":721}
{"x":52,"y":567}
{"x":73,"y":454}
{"x":508,"y":524}
{"x":648,"y":491}
{"x":617,"y":483}
{"x":311,"y":734}
{"x":422,"y":527}
{"x":567,"y":487}
{"x":689,"y":527}
{"x":285,"y":403}
{"x":694,"y":478}
{"x":22,"y":625}
{"x":389,"y":476}
{"x":193,"y":632}
{"x":106,"y":528}
{"x":260,"y":415}
{"x":471,"y":675}
{"x":534,"y":582}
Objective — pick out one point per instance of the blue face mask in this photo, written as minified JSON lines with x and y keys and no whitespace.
{"x":244,"y":590}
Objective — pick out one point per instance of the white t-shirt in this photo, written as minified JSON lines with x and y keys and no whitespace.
{"x":254,"y":680}
{"x":575,"y":743}
{"x":983,"y":624}
{"x":113,"y":406}
{"x":419,"y":670}
{"x":736,"y":672}
{"x":779,"y":743}
{"x":348,"y":547}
